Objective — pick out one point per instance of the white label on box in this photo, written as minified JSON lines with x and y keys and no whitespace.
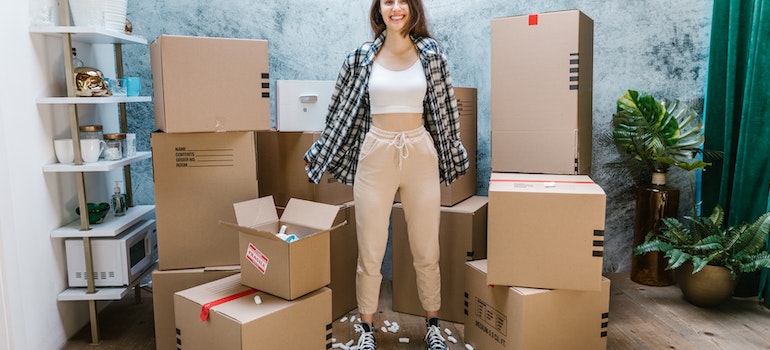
{"x":257,"y":259}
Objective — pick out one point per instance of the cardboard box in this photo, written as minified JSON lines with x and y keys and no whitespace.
{"x":203,"y":84}
{"x":301,"y":105}
{"x":285,"y":269}
{"x":236,"y":321}
{"x":344,"y":258}
{"x":165,"y":284}
{"x":462,"y":237}
{"x":282,"y":172}
{"x":545,"y":231}
{"x":541,"y":92}
{"x":198,"y":176}
{"x":466,"y":185}
{"x":516,"y":318}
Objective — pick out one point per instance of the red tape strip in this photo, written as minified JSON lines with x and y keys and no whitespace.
{"x":207,"y":306}
{"x":544,"y":181}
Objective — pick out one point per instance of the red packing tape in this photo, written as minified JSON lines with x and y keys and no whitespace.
{"x":544,"y":181}
{"x":207,"y":306}
{"x":533,"y":20}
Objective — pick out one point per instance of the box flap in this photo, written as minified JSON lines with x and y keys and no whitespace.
{"x":310,"y":214}
{"x":249,"y":230}
{"x":255,"y":212}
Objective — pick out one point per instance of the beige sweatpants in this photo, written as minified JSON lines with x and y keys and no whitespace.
{"x":407,"y":162}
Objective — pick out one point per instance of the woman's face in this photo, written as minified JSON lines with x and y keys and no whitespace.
{"x":395,"y":14}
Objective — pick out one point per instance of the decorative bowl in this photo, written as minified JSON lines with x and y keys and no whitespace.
{"x":96,"y":212}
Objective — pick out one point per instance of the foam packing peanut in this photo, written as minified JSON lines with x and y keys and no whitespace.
{"x":403,"y":340}
{"x":451,"y":339}
{"x":468,"y":347}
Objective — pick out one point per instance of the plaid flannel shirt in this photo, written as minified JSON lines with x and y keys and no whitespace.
{"x":348,"y":117}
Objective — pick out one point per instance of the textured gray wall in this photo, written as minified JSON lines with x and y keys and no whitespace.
{"x":649,"y":45}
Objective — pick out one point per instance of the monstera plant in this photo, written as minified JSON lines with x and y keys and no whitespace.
{"x":657,"y":133}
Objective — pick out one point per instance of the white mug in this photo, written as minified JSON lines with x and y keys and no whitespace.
{"x":91,"y":149}
{"x":64,"y":151}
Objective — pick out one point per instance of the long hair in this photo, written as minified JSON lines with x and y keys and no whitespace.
{"x":417,"y":26}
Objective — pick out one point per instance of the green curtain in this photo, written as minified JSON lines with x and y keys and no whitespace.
{"x":737,"y":114}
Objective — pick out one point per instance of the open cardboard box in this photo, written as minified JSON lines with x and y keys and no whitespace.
{"x":270,"y":264}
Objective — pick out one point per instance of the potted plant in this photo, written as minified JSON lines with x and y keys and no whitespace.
{"x":654,"y":135}
{"x":707,"y":257}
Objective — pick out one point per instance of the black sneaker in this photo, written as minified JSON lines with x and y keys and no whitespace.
{"x":434,"y":339}
{"x":366,"y":340}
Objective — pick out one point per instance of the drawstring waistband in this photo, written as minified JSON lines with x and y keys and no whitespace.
{"x":398,"y":139}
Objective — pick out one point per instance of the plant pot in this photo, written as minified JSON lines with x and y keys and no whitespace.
{"x":709,"y":287}
{"x":653,"y":202}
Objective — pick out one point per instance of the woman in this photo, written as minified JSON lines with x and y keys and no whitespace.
{"x":393,"y":125}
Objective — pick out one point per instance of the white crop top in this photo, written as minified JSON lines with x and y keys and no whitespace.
{"x":397,"y":91}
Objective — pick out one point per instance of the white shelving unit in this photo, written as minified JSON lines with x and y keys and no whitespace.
{"x":111,"y":225}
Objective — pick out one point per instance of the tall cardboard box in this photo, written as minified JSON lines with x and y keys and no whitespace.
{"x":541,"y":92}
{"x":287,"y":269}
{"x":517,"y":318}
{"x":344,"y":257}
{"x":204,"y":84}
{"x":462,"y":237}
{"x":466,"y":185}
{"x":165,"y":284}
{"x":301,"y":105}
{"x":545,"y":231}
{"x":282,"y":172}
{"x":198,"y":176}
{"x":234,"y":321}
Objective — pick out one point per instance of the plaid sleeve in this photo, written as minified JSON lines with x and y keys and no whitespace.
{"x":458,"y":153}
{"x":321,"y":152}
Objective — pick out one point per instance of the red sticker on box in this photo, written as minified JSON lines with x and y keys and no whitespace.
{"x":257,"y":259}
{"x":533,"y":20}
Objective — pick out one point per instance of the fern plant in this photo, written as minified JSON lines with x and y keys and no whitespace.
{"x":702,"y":241}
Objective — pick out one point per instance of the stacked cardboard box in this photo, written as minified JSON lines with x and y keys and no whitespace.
{"x":212,"y":97}
{"x":462,"y":237}
{"x":462,"y":229}
{"x":541,"y":286}
{"x":542,"y":93}
{"x":225,"y":314}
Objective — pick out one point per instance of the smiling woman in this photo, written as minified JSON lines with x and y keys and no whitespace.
{"x":393,"y":125}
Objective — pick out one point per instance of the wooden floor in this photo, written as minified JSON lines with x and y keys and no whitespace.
{"x":641,"y":317}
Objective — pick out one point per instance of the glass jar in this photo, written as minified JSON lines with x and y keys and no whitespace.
{"x":116,"y":144}
{"x":91,"y":132}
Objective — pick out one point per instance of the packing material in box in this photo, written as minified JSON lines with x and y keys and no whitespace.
{"x":283,"y":267}
{"x":282,"y":173}
{"x":466,"y":185}
{"x":165,"y":284}
{"x":198,"y":176}
{"x":541,"y":92}
{"x":301,"y":105}
{"x":344,"y":257}
{"x":462,"y":237}
{"x":226,"y":315}
{"x":203,"y":84}
{"x":517,"y":318}
{"x":545,"y":231}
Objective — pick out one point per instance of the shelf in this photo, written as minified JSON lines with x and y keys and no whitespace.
{"x":110,"y":227}
{"x":102,"y":293}
{"x":92,"y":100}
{"x":93,"y":35}
{"x":100,"y":166}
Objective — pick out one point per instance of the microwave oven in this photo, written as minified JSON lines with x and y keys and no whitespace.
{"x":117,"y":261}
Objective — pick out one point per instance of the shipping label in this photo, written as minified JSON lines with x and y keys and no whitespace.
{"x":490,"y":321}
{"x":256,"y":258}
